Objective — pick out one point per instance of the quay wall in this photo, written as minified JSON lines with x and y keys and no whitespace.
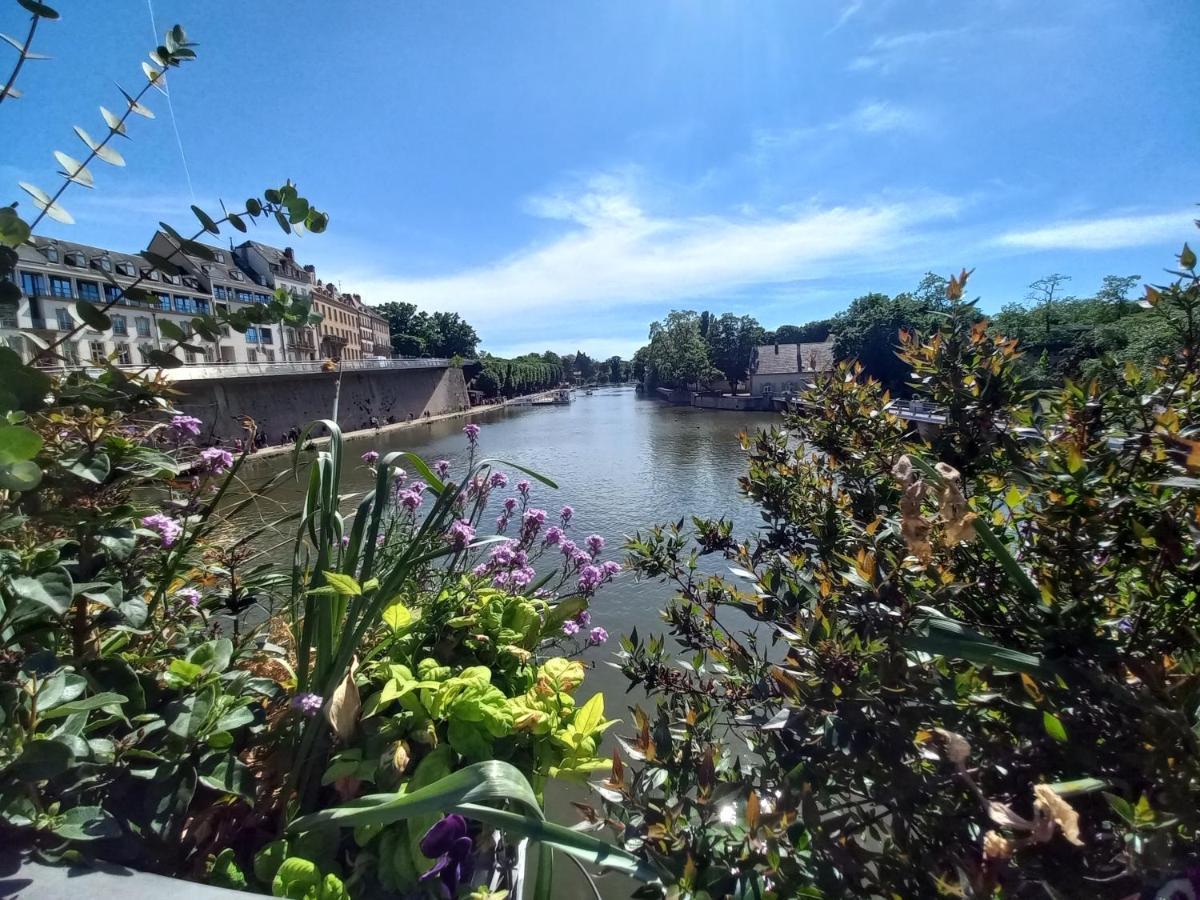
{"x":279,"y":402}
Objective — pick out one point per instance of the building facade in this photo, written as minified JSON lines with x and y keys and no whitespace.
{"x":53,"y":275}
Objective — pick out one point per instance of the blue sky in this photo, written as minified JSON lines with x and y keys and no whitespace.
{"x":562,"y":173}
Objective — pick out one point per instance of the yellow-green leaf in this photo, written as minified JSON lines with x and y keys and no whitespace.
{"x":398,"y":616}
{"x":1054,"y":727}
{"x":346,"y":585}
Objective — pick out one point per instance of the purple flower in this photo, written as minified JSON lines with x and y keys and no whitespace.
{"x":554,"y":536}
{"x":442,"y":468}
{"x":570,"y":628}
{"x":480,"y":570}
{"x":169,"y":529}
{"x":345,"y":540}
{"x":500,"y":579}
{"x":520,"y":558}
{"x":611,"y":568}
{"x":190,"y":596}
{"x":216,"y":459}
{"x":597,"y":635}
{"x":419,"y":487}
{"x":410,"y":499}
{"x":522,"y":577}
{"x":379,"y":539}
{"x":460,"y":534}
{"x":449,"y":842}
{"x":472,"y":433}
{"x":307,"y":704}
{"x":523,"y":487}
{"x":503,"y":555}
{"x":584,"y":618}
{"x":502,"y":522}
{"x":581,"y":557}
{"x":567,"y":513}
{"x":370,"y":457}
{"x":510,"y":504}
{"x":595,"y":544}
{"x":182,"y":425}
{"x":499,"y":480}
{"x":589,"y":578}
{"x":568,"y":548}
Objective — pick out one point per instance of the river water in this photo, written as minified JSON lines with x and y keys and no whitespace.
{"x":623,"y":463}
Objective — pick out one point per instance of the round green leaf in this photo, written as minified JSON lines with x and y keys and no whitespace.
{"x":18,"y":443}
{"x":13,"y":230}
{"x":51,"y":589}
{"x":20,"y":476}
{"x":92,"y":316}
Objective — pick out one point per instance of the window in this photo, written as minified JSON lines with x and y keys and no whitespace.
{"x":236,"y":275}
{"x":219,"y":256}
{"x":123,"y":356}
{"x":126,"y":268}
{"x":88,"y":290}
{"x":113,"y":293}
{"x":143,"y":326}
{"x":97,"y":351}
{"x":8,"y":315}
{"x":266,"y":336}
{"x":252,"y":335}
{"x":105,"y":264}
{"x":119,"y":325}
{"x":184,"y":304}
{"x":221,"y":292}
{"x":33,"y":284}
{"x":270,"y":355}
{"x":71,"y":352}
{"x":65,"y":322}
{"x":261,"y":298}
{"x":76,"y":259}
{"x":144,"y":351}
{"x":60,"y":287}
{"x":164,"y":302}
{"x":244,"y":296}
{"x":251,"y":355}
{"x":51,"y":253}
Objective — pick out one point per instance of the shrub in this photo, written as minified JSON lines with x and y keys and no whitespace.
{"x":958,"y":666}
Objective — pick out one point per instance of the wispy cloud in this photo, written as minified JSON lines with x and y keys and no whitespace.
{"x":615,"y":253}
{"x":870,"y":117}
{"x":849,"y":11}
{"x":1102,"y":233}
{"x":887,"y":52}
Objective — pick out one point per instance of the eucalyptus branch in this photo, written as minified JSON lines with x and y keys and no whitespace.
{"x":23,"y":55}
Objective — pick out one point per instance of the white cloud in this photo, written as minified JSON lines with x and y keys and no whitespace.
{"x":1104,"y":233}
{"x":618,"y":254}
{"x":851,"y":9}
{"x":870,"y":117}
{"x":888,"y":51}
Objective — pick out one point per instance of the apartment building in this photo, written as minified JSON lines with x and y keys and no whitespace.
{"x":53,"y":274}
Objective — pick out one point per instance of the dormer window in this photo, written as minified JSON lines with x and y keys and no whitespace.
{"x":103,"y":263}
{"x":51,"y":252}
{"x":237,"y":276}
{"x":220,"y":257}
{"x":76,"y":259}
{"x":126,"y":268}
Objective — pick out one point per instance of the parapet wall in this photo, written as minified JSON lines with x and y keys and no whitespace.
{"x":281,"y":402}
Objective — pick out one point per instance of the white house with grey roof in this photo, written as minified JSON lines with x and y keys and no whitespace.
{"x":779,"y":369}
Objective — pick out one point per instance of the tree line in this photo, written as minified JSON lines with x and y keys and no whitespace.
{"x":533,"y":372}
{"x":418,"y":333}
{"x":1063,"y":335}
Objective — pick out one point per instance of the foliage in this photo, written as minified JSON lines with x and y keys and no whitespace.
{"x":678,"y":355}
{"x":962,"y":679}
{"x":731,"y":341}
{"x":417,"y":333}
{"x":511,"y":377}
{"x":810,"y":332}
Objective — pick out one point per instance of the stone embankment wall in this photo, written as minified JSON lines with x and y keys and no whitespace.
{"x":280,"y":402}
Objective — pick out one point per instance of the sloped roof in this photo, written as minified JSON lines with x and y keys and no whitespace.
{"x":791,"y":359}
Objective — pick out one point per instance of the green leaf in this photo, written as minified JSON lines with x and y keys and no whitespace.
{"x":96,"y":701}
{"x":92,"y":316}
{"x":945,"y":637}
{"x":186,"y":717}
{"x":13,"y":229}
{"x":1054,"y":727}
{"x":227,"y":774}
{"x":18,"y":443}
{"x":253,"y":207}
{"x":20,"y":476}
{"x":1187,"y":257}
{"x":213,"y":656}
{"x":206,"y":221}
{"x":236,"y":221}
{"x":225,"y":872}
{"x":86,"y":823}
{"x":51,"y":589}
{"x":42,"y":201}
{"x":94,"y":467}
{"x":168,"y":329}
{"x":283,"y":222}
{"x":41,"y":759}
{"x":74,"y":169}
{"x":397,"y":616}
{"x":344,"y":585}
{"x":162,"y":358}
{"x":1121,"y":807}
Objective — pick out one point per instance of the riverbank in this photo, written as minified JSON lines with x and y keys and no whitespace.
{"x":371,"y":435}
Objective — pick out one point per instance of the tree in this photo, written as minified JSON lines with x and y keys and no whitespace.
{"x":678,"y":356}
{"x":615,"y":369}
{"x":584,"y":365}
{"x":1045,"y":291}
{"x":731,"y":341}
{"x":412,"y":329}
{"x":453,"y":336}
{"x":810,"y":332}
{"x":638,"y":369}
{"x":869,"y":331}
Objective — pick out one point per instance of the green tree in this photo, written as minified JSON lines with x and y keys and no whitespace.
{"x":678,"y":355}
{"x":869,"y":331}
{"x":453,"y":336}
{"x":810,"y":332}
{"x":412,"y":329}
{"x":616,"y":369}
{"x":731,"y":341}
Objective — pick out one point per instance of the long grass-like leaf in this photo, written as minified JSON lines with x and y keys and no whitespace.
{"x":512,"y":465}
{"x":945,"y":637}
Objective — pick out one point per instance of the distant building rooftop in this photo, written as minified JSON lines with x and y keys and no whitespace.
{"x":791,"y":359}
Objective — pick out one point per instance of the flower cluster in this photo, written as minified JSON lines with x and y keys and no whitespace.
{"x":183,"y":426}
{"x":370,"y":457}
{"x":307,"y":704}
{"x":472,"y":433}
{"x":190,"y":596}
{"x":460,"y":534}
{"x":168,"y":529}
{"x":442,"y":468}
{"x":411,"y":497}
{"x":216,"y":459}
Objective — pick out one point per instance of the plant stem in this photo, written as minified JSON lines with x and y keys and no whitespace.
{"x":33,"y":23}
